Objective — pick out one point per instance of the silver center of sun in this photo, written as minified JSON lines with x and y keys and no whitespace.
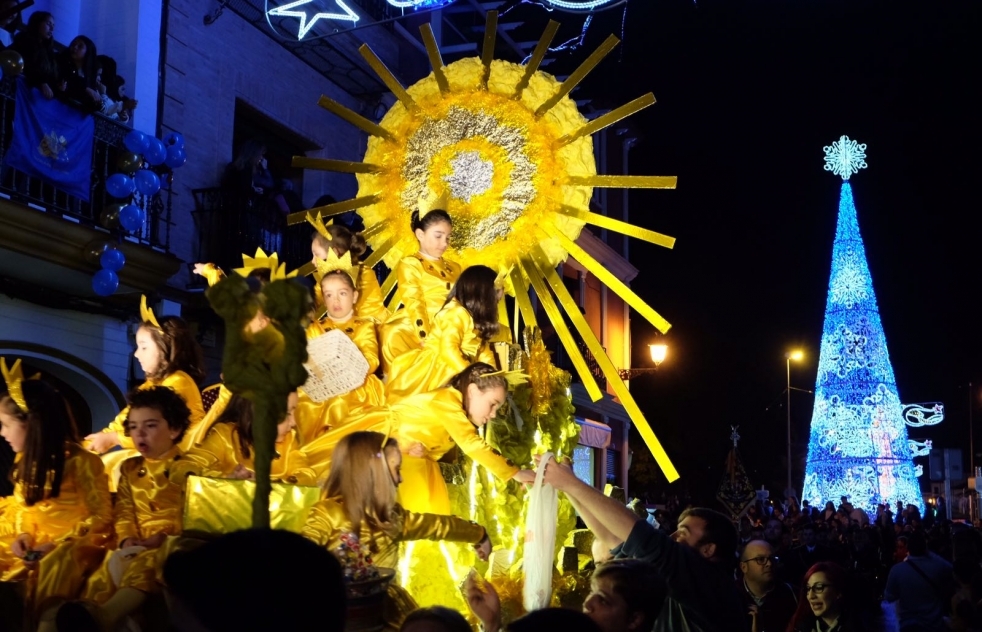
{"x":471,"y":175}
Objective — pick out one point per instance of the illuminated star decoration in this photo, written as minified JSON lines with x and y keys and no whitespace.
{"x":286,"y":11}
{"x":845,"y":157}
{"x":420,"y":4}
{"x":583,"y":5}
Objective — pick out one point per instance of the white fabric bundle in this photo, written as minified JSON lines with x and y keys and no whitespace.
{"x":335,"y":366}
{"x":540,"y":541}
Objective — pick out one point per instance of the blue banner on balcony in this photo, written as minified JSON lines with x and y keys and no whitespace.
{"x":52,"y":141}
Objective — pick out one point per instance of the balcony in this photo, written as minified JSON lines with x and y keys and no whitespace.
{"x":44,"y":229}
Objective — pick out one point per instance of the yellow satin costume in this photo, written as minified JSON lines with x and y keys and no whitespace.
{"x":78,"y":522}
{"x":370,"y":303}
{"x":181,"y":383}
{"x":150,"y":500}
{"x":423,"y":288}
{"x":452,"y":346}
{"x":314,"y":418}
{"x":221,"y":452}
{"x":437,"y":421}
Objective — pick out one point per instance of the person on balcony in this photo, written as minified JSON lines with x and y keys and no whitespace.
{"x":107,"y":83}
{"x":77,"y":68}
{"x":9,"y":23}
{"x":36,"y":45}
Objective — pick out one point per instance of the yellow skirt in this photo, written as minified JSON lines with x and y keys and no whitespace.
{"x":423,"y":489}
{"x":144,"y":571}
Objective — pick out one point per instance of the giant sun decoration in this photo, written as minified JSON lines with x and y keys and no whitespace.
{"x":507,"y":153}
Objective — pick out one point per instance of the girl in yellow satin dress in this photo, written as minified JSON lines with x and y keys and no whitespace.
{"x":424,"y":280}
{"x":427,"y":426}
{"x":169,"y":356}
{"x":370,"y":302}
{"x":461,"y":334}
{"x":148,"y":509}
{"x":59,"y":519}
{"x":360,"y":503}
{"x":340,"y":298}
{"x":227,"y":449}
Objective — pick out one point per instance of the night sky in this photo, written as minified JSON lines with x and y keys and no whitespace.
{"x":748,"y":94}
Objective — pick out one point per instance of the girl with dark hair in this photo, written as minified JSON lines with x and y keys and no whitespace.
{"x":169,"y":356}
{"x":227,"y":449}
{"x":339,"y":240}
{"x":77,"y":67}
{"x":461,"y":334}
{"x":54,"y":528}
{"x":340,"y":299}
{"x":428,"y":426}
{"x":36,"y":45}
{"x":424,"y":280}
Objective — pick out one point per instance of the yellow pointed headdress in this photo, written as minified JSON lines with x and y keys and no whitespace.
{"x":146,"y":314}
{"x":334,"y":262}
{"x":514,"y":377}
{"x":262,"y":261}
{"x":14,"y":377}
{"x":318,"y":223}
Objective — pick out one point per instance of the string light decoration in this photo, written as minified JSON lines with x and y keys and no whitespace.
{"x":858,"y":445}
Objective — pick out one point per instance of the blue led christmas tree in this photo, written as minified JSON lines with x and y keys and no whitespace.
{"x":858,"y":444}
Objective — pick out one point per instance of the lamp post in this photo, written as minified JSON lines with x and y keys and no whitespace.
{"x":658,"y":352}
{"x":795,"y":355}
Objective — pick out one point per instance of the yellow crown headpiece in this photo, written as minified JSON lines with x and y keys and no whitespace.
{"x":514,"y":377}
{"x":318,"y":223}
{"x":430,"y":200}
{"x":334,"y":262}
{"x":262,"y":261}
{"x":146,"y":314}
{"x":14,"y":377}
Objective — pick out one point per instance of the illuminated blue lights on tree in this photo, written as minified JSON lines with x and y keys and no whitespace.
{"x":342,"y":13}
{"x":858,"y":445}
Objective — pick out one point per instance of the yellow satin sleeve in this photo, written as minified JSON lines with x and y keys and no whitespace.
{"x":437,"y":421}
{"x":327,"y":522}
{"x":83,"y":506}
{"x":150,"y":497}
{"x":453,"y":344}
{"x":409,"y":275}
{"x":370,"y":303}
{"x":221,"y":452}
{"x":181,"y":383}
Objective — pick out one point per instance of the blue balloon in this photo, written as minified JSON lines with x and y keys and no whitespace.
{"x":136,"y":141}
{"x":156,"y":153}
{"x":147,"y":182}
{"x":120,"y":185}
{"x":113,"y":259}
{"x":176,"y":157}
{"x":105,"y":282}
{"x":131,"y":217}
{"x":174,"y":140}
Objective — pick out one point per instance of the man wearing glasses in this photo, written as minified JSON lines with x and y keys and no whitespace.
{"x":770,"y":603}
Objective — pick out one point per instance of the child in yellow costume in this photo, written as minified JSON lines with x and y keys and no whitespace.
{"x":461,"y":334}
{"x":331,"y":238}
{"x":59,"y":519}
{"x":429,"y":425}
{"x":340,"y":297}
{"x":360,"y":503}
{"x":148,"y":509}
{"x":227,"y":450}
{"x":169,"y":356}
{"x":424,"y":281}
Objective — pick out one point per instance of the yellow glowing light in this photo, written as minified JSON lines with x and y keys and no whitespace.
{"x":451,"y":566}
{"x":404,"y":564}
{"x":658,"y":352}
{"x":796,"y":355}
{"x":472,"y":489}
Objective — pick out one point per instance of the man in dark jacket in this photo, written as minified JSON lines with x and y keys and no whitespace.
{"x":696,"y":561}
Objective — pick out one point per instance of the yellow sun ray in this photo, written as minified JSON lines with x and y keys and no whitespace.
{"x":608,"y":119}
{"x":339,"y":166}
{"x":522,"y":297}
{"x":436,"y":59}
{"x":579,"y":74}
{"x":487,"y":53}
{"x":624,"y":182}
{"x":354,"y":118}
{"x":608,"y":279}
{"x":537,"y":56}
{"x":388,"y":285}
{"x":617,"y":225}
{"x":332,"y":209}
{"x":565,"y":336}
{"x":387,"y":77}
{"x":305,"y":269}
{"x":372,"y":230}
{"x":540,"y":262}
{"x":378,"y":253}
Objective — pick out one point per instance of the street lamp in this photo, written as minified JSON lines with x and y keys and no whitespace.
{"x":795,"y":355}
{"x":658,"y":352}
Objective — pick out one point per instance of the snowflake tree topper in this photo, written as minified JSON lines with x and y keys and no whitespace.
{"x":845,"y":157}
